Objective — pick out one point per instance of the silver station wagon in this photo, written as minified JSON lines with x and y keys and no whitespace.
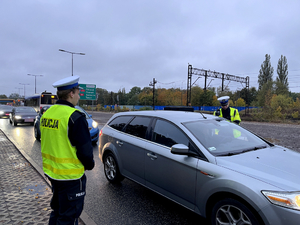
{"x":207,"y":164}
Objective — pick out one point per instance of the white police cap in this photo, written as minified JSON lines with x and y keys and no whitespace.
{"x":66,"y":83}
{"x":224,"y":100}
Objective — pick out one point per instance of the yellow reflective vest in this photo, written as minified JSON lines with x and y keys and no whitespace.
{"x":234,"y":114}
{"x":60,"y":161}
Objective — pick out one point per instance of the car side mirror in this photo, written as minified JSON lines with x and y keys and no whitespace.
{"x":180,"y":149}
{"x":90,"y":116}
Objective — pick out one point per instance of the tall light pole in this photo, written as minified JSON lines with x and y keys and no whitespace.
{"x":19,"y":90}
{"x":76,"y":53}
{"x":34,"y":80}
{"x":24,"y":87}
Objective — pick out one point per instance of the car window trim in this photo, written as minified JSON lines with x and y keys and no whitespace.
{"x":198,"y":151}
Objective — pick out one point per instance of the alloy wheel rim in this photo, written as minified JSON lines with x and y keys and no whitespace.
{"x":110,"y":168}
{"x":231,"y":215}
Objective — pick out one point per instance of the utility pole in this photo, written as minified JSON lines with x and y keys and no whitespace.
{"x":34,"y":80}
{"x":24,"y":88}
{"x":153,"y":84}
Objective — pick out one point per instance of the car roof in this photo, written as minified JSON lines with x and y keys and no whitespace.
{"x":176,"y":116}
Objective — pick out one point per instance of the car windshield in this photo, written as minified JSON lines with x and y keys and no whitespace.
{"x":87,"y":116}
{"x":223,"y":138}
{"x":25,"y":110}
{"x":5,"y":107}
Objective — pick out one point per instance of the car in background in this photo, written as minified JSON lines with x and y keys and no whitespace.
{"x":92,"y":124}
{"x":5,"y":110}
{"x":22,"y":114}
{"x":207,"y":164}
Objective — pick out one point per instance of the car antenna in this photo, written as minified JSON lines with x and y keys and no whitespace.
{"x":202,"y":115}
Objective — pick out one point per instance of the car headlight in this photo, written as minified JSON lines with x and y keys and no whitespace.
{"x":285,"y":199}
{"x":95,"y":124}
{"x":18,"y":117}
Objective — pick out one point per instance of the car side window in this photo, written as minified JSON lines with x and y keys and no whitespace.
{"x":166,"y":133}
{"x":120,"y":122}
{"x":138,"y":126}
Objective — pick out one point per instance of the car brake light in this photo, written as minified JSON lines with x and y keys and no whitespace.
{"x":100,"y":133}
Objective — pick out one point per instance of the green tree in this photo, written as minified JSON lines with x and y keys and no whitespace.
{"x":265,"y":94}
{"x":281,"y":101}
{"x":104,"y":97}
{"x":265,"y":73}
{"x":248,"y":96}
{"x":225,"y":92}
{"x":122,"y":97}
{"x":14,"y":96}
{"x":133,"y":96}
{"x":3,"y":96}
{"x":282,"y":85}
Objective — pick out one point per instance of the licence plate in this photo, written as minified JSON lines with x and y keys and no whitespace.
{"x":28,"y":120}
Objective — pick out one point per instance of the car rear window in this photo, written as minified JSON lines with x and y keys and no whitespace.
{"x":119,"y":122}
{"x":138,"y":126}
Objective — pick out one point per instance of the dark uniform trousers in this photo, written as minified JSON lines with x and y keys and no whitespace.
{"x":67,"y":201}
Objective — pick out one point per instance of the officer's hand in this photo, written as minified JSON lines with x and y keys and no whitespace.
{"x":237,"y":122}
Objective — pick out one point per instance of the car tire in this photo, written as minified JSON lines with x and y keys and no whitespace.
{"x":231,"y":211}
{"x":36,"y":134}
{"x":111,"y":169}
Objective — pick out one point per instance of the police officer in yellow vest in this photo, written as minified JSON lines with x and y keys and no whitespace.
{"x":67,"y":152}
{"x":227,"y":112}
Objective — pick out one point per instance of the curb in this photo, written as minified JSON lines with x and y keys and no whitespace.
{"x":84,"y":217}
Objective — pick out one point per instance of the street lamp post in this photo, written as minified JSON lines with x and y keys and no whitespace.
{"x":35,"y":80}
{"x":77,"y":53}
{"x":19,"y":90}
{"x":24,"y":87}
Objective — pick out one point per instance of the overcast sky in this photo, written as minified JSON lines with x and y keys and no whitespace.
{"x":128,"y":43}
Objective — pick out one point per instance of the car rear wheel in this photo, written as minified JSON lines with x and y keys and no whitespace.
{"x":111,"y":169}
{"x":36,"y":134}
{"x":230,"y":211}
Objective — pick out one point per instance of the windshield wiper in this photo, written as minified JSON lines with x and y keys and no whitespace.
{"x":245,"y":150}
{"x":255,"y":148}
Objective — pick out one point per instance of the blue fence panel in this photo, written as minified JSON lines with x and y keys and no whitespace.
{"x":196,"y":108}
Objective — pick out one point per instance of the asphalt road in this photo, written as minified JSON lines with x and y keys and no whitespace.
{"x":128,"y":202}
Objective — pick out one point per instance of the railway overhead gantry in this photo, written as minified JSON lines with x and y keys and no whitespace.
{"x":212,"y":74}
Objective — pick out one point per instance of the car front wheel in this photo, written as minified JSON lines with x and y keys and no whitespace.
{"x":111,"y":169}
{"x":230,"y":211}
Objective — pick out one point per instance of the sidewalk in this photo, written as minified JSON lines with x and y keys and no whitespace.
{"x":24,"y":194}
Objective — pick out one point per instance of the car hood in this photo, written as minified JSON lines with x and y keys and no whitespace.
{"x":276,"y":165}
{"x":26,"y":114}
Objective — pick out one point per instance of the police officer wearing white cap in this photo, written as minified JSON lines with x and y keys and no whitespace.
{"x":227,"y":112}
{"x":67,"y":152}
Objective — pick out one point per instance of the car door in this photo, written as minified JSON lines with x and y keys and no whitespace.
{"x":131,"y":148}
{"x":171,"y":175}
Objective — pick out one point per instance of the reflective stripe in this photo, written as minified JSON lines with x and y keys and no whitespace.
{"x":61,"y":160}
{"x":63,"y":171}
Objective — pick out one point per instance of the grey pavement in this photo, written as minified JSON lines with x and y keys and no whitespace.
{"x":25,"y":193}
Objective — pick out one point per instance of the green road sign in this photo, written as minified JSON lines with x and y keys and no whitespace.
{"x":87,"y":92}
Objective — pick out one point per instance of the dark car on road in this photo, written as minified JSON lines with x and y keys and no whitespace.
{"x":22,"y":114}
{"x":92,"y":124}
{"x":205,"y":163}
{"x":5,"y":110}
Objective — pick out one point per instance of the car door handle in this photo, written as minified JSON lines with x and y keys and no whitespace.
{"x":151,"y":155}
{"x":120,"y":143}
